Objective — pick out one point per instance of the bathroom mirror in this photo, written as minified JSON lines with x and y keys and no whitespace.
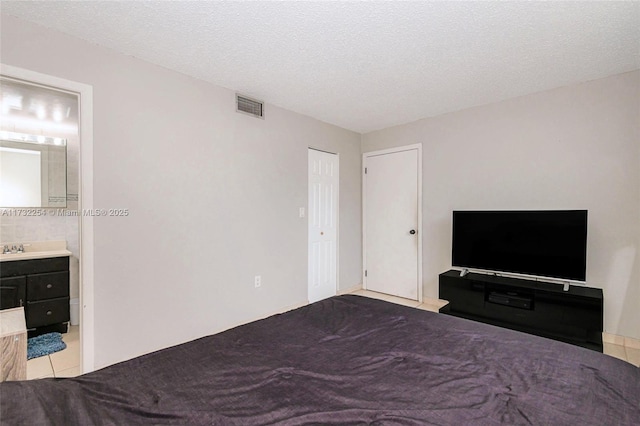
{"x":33,"y":171}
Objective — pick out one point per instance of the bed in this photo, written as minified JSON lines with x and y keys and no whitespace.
{"x":344,"y":360}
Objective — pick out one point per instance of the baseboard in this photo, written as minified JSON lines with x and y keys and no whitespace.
{"x":613,"y":339}
{"x":292,"y":307}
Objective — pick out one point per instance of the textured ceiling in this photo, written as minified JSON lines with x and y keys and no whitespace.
{"x":363,"y":65}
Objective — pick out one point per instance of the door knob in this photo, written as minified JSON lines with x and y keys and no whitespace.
{"x":413,"y":231}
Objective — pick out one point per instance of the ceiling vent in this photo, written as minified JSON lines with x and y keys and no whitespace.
{"x":249,"y":106}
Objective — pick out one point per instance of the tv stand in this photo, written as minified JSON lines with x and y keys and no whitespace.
{"x":545,"y":309}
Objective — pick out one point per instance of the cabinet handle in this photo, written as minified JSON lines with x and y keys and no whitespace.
{"x":49,"y":312}
{"x":49,"y":285}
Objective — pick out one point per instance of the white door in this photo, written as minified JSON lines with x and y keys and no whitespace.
{"x":323,"y":224}
{"x":392,"y":243}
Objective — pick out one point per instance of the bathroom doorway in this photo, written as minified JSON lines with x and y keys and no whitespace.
{"x":47,"y":110}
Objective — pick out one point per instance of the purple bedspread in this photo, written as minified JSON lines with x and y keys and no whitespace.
{"x":344,"y":360}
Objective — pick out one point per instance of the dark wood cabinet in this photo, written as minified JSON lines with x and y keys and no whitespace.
{"x":42,"y":287}
{"x":48,"y":286}
{"x":13,"y":292}
{"x":541,"y":308}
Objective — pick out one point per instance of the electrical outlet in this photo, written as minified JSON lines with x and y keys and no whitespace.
{"x":257,"y":281}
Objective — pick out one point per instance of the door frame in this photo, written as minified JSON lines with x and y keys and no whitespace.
{"x":366,"y":155}
{"x":337,"y":154}
{"x":85,"y":199}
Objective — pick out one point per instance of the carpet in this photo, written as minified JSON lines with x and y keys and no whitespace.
{"x":44,"y":344}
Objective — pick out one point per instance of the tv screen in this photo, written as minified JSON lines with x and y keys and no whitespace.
{"x":546,"y":243}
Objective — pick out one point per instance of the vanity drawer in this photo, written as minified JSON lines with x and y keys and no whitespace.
{"x":34,"y":266}
{"x":47,"y":286}
{"x":47,"y":312}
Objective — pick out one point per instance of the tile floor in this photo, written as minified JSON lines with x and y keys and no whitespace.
{"x":617,"y":346}
{"x":65,"y":363}
{"x":432,"y":305}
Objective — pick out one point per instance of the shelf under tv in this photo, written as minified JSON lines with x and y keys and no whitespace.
{"x":535,"y":307}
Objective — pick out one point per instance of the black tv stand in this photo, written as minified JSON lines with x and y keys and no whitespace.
{"x":545,"y":309}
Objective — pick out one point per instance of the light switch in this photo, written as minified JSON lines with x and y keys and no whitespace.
{"x":301,"y":211}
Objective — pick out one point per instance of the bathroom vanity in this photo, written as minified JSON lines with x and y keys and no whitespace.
{"x":38,"y":281}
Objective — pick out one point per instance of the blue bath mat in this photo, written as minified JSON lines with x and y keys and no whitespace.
{"x":44,"y":344}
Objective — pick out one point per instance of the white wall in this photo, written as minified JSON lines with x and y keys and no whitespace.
{"x":571,"y":148}
{"x":213,"y":197}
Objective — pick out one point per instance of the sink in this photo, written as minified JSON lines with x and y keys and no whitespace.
{"x":36,"y":250}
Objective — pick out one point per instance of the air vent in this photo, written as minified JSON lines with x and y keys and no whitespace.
{"x":249,"y":106}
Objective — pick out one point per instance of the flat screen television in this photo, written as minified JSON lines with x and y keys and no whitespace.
{"x":543,"y":243}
